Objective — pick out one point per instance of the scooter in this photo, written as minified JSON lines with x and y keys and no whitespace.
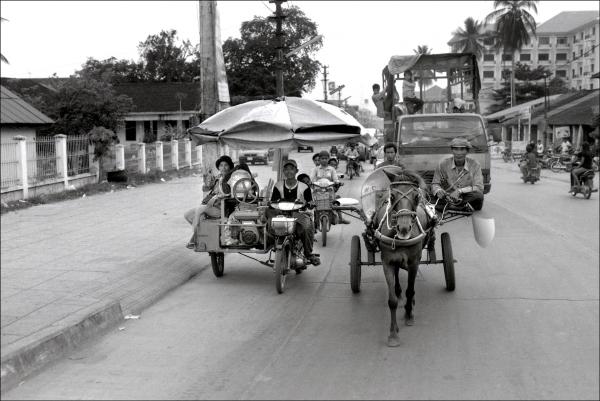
{"x":533,"y":175}
{"x":352,"y":166}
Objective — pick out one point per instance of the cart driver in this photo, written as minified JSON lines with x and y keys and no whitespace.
{"x":458,"y":177}
{"x":290,"y":189}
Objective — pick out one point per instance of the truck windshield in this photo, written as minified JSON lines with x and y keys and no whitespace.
{"x":439,"y":130}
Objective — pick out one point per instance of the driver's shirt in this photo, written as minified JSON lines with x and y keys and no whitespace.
{"x":324,"y":172}
{"x":290,"y":194}
{"x":448,"y":176}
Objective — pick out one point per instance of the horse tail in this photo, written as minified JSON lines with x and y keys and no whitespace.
{"x":397,"y":288}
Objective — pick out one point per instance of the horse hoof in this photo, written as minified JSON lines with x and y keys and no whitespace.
{"x":409,"y":321}
{"x":393,"y":341}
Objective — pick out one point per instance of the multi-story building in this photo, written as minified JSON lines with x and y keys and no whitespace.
{"x":567,"y":45}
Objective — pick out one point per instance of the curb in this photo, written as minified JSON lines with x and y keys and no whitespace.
{"x":30,"y":359}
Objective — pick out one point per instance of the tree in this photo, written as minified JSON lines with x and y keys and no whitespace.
{"x":424,"y":82}
{"x":514,"y":25}
{"x":4,"y":59}
{"x":102,"y":139}
{"x":163,"y":60}
{"x":469,"y":38}
{"x":81,"y":103}
{"x":250,"y":61}
{"x":112,"y":70}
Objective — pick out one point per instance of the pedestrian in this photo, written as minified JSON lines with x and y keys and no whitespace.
{"x":540,"y":147}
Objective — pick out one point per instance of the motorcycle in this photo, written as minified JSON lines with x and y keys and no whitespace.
{"x":323,"y":192}
{"x":352,"y":166}
{"x":289,"y":251}
{"x":545,"y":159}
{"x":586,"y":185}
{"x":533,"y":175}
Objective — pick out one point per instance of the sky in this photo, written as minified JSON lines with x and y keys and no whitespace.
{"x":359,"y":37}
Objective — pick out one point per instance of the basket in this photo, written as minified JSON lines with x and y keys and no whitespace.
{"x":322,"y":200}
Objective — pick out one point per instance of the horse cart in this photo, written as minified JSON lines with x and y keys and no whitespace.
{"x":374,"y":195}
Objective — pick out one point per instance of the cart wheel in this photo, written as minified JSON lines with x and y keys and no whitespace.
{"x":281,"y":268}
{"x":355,"y":268}
{"x":448,"y":261}
{"x":324,"y":228}
{"x":217,"y":260}
{"x":556,"y":167}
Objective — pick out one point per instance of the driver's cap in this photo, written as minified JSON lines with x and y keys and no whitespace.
{"x":290,"y":162}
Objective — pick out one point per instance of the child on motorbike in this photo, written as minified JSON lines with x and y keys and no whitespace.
{"x":324,"y":170}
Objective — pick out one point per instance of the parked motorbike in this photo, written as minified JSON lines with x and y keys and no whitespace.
{"x":561,"y":162}
{"x":586,"y":185}
{"x":545,"y":159}
{"x":289,"y":251}
{"x":352,"y":166}
{"x":323,"y":192}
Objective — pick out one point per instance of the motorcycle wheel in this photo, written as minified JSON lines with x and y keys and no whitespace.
{"x":505,"y":158}
{"x":588,"y":189}
{"x":217,"y":260}
{"x":282,"y":260}
{"x":556,"y":167}
{"x":324,"y":229}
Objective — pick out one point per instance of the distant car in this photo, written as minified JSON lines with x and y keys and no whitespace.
{"x":305,"y":149}
{"x":254,"y":157}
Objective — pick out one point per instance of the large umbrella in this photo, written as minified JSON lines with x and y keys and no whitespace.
{"x":281,"y":123}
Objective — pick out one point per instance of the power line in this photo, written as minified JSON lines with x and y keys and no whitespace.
{"x":263,"y":3}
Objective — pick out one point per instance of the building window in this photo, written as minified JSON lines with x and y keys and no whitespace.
{"x":488,"y":41}
{"x":580,"y":70}
{"x":543,"y":57}
{"x":580,"y":35}
{"x":593,"y":30}
{"x":573,"y":55}
{"x":544,"y":40}
{"x":573,"y":73}
{"x":488,"y":74}
{"x":580,"y":52}
{"x":130,"y":134}
{"x":525,"y":57}
{"x":592,"y":68}
{"x":506,"y":57}
{"x":488,"y":57}
{"x":591,"y":86}
{"x":561,"y":56}
{"x":561,"y":73}
{"x":561,"y":40}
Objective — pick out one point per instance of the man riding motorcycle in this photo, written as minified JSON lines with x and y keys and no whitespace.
{"x":352,"y":161}
{"x":291,"y":190}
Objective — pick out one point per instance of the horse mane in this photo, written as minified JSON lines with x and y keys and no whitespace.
{"x":408,"y":176}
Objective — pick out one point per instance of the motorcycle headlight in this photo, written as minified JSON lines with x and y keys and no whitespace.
{"x":283,"y":225}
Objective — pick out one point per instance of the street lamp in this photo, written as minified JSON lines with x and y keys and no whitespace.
{"x":547,"y":74}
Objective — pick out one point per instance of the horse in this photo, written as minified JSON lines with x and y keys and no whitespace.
{"x":400,"y":233}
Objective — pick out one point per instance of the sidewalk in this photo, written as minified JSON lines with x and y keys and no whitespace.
{"x":74,"y":269}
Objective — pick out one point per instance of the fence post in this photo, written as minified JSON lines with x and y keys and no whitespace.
{"x":120,"y":156}
{"x":159,"y":156}
{"x":175,"y":153}
{"x":60,"y":142}
{"x":142,"y":157}
{"x":22,"y":152}
{"x":188,"y":152}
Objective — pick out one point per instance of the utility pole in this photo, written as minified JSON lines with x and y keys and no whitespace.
{"x":324,"y":82}
{"x":339,"y":92}
{"x":279,"y":17}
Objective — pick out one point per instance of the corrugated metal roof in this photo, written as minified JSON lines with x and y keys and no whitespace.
{"x":567,"y":21}
{"x":578,"y":112}
{"x":517,"y":109}
{"x":555,"y":106}
{"x":161,"y":96}
{"x":15,"y":110}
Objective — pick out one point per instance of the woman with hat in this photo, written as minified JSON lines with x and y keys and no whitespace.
{"x":459,"y":177}
{"x":210,"y":205}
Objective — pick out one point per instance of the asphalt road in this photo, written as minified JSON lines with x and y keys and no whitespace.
{"x":521,"y":324}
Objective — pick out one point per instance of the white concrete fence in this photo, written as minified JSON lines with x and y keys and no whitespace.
{"x":51,"y":164}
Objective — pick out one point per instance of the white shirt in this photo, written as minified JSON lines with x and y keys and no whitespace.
{"x":324,"y":172}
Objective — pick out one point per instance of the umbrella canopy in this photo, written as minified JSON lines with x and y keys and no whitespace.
{"x":279,"y":123}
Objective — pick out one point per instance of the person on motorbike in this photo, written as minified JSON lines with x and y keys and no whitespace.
{"x":565,"y":146}
{"x":390,"y":153}
{"x":528,"y":161}
{"x":352,"y":152}
{"x":584,"y":164}
{"x":290,"y":190}
{"x":210,"y":205}
{"x":459,"y":178}
{"x":324,"y":170}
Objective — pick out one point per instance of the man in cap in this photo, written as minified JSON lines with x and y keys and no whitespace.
{"x":290,"y":189}
{"x":459,"y":177}
{"x":324,"y":170}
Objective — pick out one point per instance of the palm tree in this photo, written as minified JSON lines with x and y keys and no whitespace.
{"x":470,"y":38}
{"x":4,"y":60}
{"x":424,"y":82}
{"x":514,"y":27}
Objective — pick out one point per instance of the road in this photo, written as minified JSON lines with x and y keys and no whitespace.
{"x":521,"y":324}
